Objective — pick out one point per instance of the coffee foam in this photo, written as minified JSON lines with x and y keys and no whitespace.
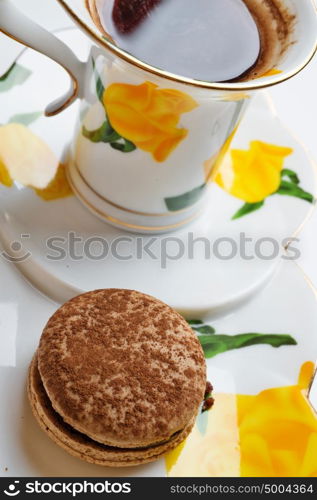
{"x":274,"y":21}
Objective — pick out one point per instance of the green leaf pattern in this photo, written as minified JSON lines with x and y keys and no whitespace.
{"x":103,"y":134}
{"x":290,"y":187}
{"x":293,"y":177}
{"x":25,"y":118}
{"x":214,"y":344}
{"x":204,"y":330}
{"x":185,"y":200}
{"x":247,"y":208}
{"x":106,"y":133}
{"x":218,"y":344}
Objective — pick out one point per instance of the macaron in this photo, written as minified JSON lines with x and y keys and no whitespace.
{"x":118,"y":378}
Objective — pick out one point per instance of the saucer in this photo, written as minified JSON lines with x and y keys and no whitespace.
{"x":284,"y":313}
{"x":212,"y":265}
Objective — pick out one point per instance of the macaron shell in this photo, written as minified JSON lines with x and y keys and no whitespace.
{"x":81,"y":446}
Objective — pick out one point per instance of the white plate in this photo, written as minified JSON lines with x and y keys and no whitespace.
{"x":286,"y":305}
{"x":195,"y":286}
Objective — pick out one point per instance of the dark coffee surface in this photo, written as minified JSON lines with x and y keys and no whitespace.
{"x":211,"y":40}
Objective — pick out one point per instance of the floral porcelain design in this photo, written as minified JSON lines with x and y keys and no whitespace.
{"x":254,"y":440}
{"x":57,"y":188}
{"x":249,"y":435}
{"x":255,"y":174}
{"x":16,"y":75}
{"x":278,"y":431}
{"x":141,"y":116}
{"x":270,"y":434}
{"x":24,"y":157}
{"x":146,"y":117}
{"x":214,"y":343}
{"x":250,"y":175}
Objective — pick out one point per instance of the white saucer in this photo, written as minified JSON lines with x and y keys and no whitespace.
{"x":197,"y":287}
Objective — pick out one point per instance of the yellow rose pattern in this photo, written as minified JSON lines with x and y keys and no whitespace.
{"x":278,"y":431}
{"x":255,"y":174}
{"x":148,"y":116}
{"x":272,"y":434}
{"x":24,"y":157}
{"x":5,"y":177}
{"x":141,"y":116}
{"x":58,"y":187}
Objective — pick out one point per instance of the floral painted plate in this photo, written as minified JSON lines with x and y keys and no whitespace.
{"x":212,"y":265}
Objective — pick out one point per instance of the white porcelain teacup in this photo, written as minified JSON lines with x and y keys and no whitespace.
{"x":145,"y":168}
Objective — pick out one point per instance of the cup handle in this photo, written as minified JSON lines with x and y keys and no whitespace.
{"x":22,"y":29}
